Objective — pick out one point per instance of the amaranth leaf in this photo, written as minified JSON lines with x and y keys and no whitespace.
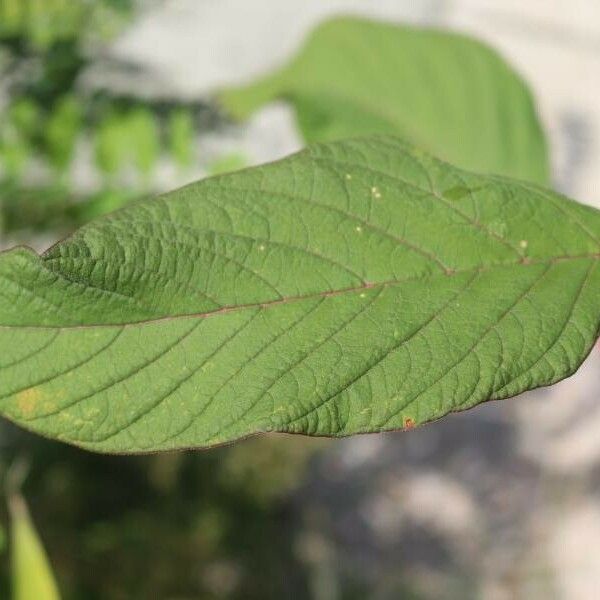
{"x":354,"y":287}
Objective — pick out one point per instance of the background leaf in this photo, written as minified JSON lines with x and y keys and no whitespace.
{"x":356,"y":286}
{"x":447,"y":93}
{"x":31,"y":573}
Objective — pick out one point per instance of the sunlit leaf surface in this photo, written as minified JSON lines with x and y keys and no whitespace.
{"x":356,"y":286}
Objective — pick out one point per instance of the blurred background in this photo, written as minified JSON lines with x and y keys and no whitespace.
{"x":105,"y":101}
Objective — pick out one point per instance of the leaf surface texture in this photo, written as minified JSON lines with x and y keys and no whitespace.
{"x":353,"y":287}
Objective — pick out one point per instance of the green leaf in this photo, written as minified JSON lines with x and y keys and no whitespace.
{"x":25,"y":116}
{"x":112,"y":143}
{"x":128,"y":138}
{"x":227,"y":163}
{"x":447,"y":93}
{"x":143,"y":134}
{"x":64,"y":126}
{"x":356,"y":286}
{"x":181,"y":136}
{"x":31,"y":573}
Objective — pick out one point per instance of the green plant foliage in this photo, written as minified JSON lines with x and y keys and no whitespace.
{"x":37,"y":208}
{"x":22,"y":120}
{"x":46,"y":22}
{"x":227,"y":163}
{"x":264,"y":471}
{"x":447,"y":93}
{"x":143,"y":128}
{"x":14,"y":152}
{"x":111,"y":144}
{"x":3,"y":540}
{"x":62,"y":130}
{"x":158,"y":526}
{"x":25,"y":116}
{"x":128,"y":138}
{"x":356,"y":286}
{"x":31,"y":573}
{"x":45,"y":46}
{"x":181,"y":136}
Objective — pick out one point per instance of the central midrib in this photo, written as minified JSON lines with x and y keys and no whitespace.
{"x":322,"y":294}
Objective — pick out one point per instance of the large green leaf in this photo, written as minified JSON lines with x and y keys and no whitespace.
{"x":356,"y":286}
{"x":447,"y":93}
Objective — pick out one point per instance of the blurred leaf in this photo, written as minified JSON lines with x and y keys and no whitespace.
{"x":44,"y":22}
{"x":15,"y":152}
{"x":209,"y":314}
{"x":448,"y":94}
{"x":39,"y":208}
{"x":31,"y":572}
{"x":16,"y":149}
{"x":2,"y":538}
{"x":143,"y":138}
{"x":33,"y":208}
{"x":111,"y":144}
{"x":268,"y":467}
{"x":62,"y":130}
{"x":109,"y":16}
{"x":45,"y":46}
{"x":12,"y":16}
{"x":49,"y":20}
{"x":181,"y":136}
{"x":227,"y":164}
{"x":101,"y":203}
{"x":129,"y":138}
{"x":25,"y":116}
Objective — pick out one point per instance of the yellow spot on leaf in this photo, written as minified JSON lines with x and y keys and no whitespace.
{"x":27,"y":401}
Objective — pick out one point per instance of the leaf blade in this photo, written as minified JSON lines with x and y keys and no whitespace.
{"x":32,"y":575}
{"x":357,"y":286}
{"x":447,"y":93}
